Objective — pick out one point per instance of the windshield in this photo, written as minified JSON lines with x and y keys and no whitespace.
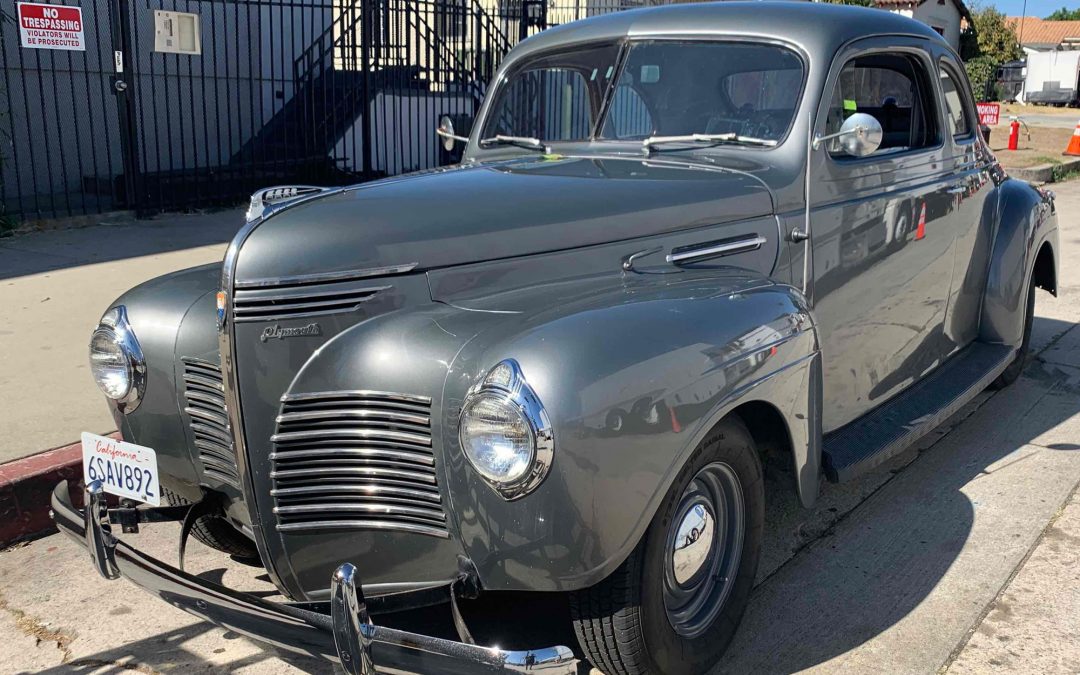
{"x":662,"y":88}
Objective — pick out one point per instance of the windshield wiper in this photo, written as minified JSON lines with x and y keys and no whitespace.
{"x":520,"y":141}
{"x":729,"y":138}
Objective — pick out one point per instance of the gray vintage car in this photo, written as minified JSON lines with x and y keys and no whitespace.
{"x":679,"y":239}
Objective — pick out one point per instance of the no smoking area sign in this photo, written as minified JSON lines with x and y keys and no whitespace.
{"x":51,"y":26}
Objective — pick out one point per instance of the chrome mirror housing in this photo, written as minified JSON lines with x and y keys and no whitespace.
{"x":446,"y":131}
{"x":859,"y":135}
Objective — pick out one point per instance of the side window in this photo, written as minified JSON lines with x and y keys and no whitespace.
{"x":895,"y":89}
{"x":960,"y":125}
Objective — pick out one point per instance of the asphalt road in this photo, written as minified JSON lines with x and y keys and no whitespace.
{"x":963,"y":556}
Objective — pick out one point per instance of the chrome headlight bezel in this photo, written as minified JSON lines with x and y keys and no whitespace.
{"x":115,"y":327}
{"x":505,"y":385}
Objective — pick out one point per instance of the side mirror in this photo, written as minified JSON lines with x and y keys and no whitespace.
{"x":446,"y":131}
{"x":860,"y":135}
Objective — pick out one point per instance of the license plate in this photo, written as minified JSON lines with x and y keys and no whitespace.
{"x":124,"y":469}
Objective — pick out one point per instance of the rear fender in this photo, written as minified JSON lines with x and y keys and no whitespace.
{"x":1026,"y":220}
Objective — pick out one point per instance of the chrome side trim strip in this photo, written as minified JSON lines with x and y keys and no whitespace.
{"x":326,"y":277}
{"x":747,"y":244}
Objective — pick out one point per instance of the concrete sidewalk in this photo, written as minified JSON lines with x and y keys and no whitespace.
{"x":54,"y":286}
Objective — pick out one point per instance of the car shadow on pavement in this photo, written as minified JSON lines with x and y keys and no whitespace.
{"x":169,"y":651}
{"x":843,"y":573}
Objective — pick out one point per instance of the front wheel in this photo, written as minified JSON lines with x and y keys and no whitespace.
{"x":674,"y":605}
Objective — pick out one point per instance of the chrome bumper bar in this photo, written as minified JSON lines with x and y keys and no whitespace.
{"x":347,"y":635}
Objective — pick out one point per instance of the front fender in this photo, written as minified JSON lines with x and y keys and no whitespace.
{"x":633,"y":371}
{"x":1026,"y":219}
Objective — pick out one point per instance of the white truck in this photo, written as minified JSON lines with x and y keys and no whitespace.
{"x":1053,"y":78}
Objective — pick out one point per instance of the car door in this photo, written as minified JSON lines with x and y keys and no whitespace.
{"x":971,"y":221}
{"x":882,"y":264}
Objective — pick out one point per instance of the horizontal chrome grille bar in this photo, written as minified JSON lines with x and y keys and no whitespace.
{"x":354,"y":413}
{"x":357,"y":459}
{"x":349,"y":453}
{"x":358,"y":393}
{"x":363,"y":524}
{"x":375,"y":434}
{"x":359,"y":471}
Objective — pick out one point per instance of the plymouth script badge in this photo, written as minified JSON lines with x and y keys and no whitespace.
{"x":278,"y":333}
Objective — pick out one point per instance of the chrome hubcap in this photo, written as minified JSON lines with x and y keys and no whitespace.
{"x":704,"y":545}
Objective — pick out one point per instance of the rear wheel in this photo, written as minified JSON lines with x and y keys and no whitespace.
{"x":1012,"y":372}
{"x":674,"y":605}
{"x":216,"y":532}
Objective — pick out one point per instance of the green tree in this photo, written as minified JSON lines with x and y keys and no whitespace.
{"x":987,"y":43}
{"x":1064,"y":14}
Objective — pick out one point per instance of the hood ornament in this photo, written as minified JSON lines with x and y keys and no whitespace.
{"x":268,"y":199}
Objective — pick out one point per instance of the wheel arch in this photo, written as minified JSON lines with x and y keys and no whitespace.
{"x":1024,"y":243}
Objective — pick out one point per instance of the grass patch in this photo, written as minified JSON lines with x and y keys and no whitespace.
{"x":1043,"y":159}
{"x":1061,"y":174}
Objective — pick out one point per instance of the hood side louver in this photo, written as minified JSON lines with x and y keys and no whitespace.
{"x":295,"y":298}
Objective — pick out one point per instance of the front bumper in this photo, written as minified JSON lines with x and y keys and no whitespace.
{"x":346,"y":635}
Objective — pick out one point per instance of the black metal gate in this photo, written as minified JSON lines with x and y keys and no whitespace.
{"x":267,"y":92}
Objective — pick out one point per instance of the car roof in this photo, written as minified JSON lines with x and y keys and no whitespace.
{"x":819,"y":28}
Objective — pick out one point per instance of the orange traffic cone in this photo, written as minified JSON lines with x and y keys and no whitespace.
{"x":920,"y":230}
{"x":1074,"y":142}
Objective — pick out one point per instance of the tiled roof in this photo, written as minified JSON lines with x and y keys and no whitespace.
{"x":910,"y":4}
{"x":1035,"y":31}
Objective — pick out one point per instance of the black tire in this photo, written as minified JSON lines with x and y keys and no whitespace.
{"x":622,"y":623}
{"x":216,"y":532}
{"x":1012,"y":372}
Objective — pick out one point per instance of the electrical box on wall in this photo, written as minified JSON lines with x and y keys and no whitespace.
{"x":176,"y":32}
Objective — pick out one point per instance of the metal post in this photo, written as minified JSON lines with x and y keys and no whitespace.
{"x":125,"y":108}
{"x":366,"y":33}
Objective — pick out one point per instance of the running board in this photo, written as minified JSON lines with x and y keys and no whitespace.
{"x":896,"y":425}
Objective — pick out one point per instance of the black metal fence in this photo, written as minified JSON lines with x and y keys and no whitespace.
{"x":267,"y":92}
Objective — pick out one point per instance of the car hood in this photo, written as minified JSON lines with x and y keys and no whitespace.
{"x":477,"y":212}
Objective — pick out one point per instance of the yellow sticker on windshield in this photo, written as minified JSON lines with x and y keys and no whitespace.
{"x":849,"y":104}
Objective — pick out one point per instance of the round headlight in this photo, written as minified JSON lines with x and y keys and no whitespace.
{"x":110,"y":364}
{"x":505,"y":432}
{"x":116,"y":360}
{"x":497,"y":439}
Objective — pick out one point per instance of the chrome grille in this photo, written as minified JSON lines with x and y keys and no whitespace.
{"x":294,"y":299}
{"x":205,"y":408}
{"x":356,"y":460}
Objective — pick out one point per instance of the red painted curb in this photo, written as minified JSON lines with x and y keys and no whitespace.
{"x":26,"y":485}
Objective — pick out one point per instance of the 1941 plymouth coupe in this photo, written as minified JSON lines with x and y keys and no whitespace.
{"x":678,"y":238}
